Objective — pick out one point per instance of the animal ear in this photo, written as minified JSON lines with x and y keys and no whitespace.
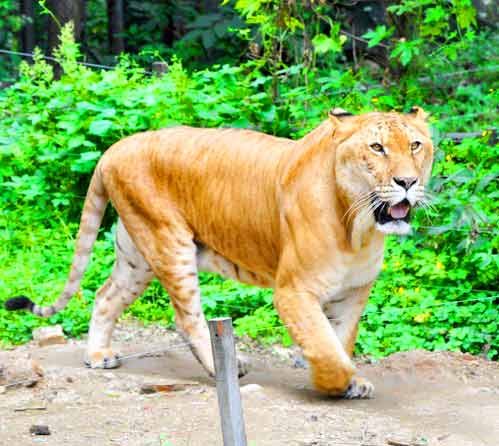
{"x":419,"y":113}
{"x":336,"y":115}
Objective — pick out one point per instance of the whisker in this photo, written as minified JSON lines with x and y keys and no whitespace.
{"x":370,"y":209}
{"x":429,"y":195}
{"x":429,"y":205}
{"x":356,"y":210}
{"x":426,"y":208}
{"x":361,"y":201}
{"x":427,"y":215}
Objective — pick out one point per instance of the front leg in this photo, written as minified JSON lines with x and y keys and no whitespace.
{"x":344,"y":317}
{"x":301,"y":312}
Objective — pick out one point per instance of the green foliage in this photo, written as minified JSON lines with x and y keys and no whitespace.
{"x":427,"y":26}
{"x":291,"y":32}
{"x":438,"y":288}
{"x":265,"y":326}
{"x":10,"y":24}
{"x":406,"y":51}
{"x":38,"y":259}
{"x":375,"y":37}
{"x":333,"y":43}
{"x":9,"y":21}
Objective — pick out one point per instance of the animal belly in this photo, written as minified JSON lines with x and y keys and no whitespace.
{"x":209,"y":260}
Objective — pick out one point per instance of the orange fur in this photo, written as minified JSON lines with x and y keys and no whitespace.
{"x":269,"y":211}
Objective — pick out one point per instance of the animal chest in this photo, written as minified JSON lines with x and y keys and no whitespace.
{"x":354,"y":272}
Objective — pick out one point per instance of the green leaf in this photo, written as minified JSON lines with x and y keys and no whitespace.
{"x":324,"y":44}
{"x":376,"y":36}
{"x":465,"y":13}
{"x":405,"y":51}
{"x":100,"y":127}
{"x":436,"y":14}
{"x":86,"y":162}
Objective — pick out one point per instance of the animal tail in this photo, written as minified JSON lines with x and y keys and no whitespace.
{"x":91,"y":218}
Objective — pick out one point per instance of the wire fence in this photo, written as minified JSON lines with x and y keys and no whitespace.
{"x":236,"y":308}
{"x":357,"y":87}
{"x":183,"y":345}
{"x":230,"y":309}
{"x":469,"y":230}
{"x":360,"y":87}
{"x":53,"y":59}
{"x":221,"y":305}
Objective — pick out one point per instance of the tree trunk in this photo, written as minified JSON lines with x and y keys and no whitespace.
{"x":28,"y":30}
{"x":116,"y":26}
{"x":64,"y":11}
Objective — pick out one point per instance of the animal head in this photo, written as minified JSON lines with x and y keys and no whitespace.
{"x":383,"y":164}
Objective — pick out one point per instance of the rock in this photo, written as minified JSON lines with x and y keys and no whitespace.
{"x":110,"y":376}
{"x":49,"y":335}
{"x":251,"y":388}
{"x":40,"y":429}
{"x":300,"y":363}
{"x":148,"y":388}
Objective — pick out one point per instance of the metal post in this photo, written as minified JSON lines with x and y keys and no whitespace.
{"x":229,"y":396}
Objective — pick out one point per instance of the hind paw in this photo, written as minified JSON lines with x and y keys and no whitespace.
{"x":103,"y":359}
{"x":359,"y":388}
{"x":243,"y":366}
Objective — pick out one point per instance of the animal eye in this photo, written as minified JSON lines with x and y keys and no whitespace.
{"x":415,"y":146}
{"x":376,"y":147}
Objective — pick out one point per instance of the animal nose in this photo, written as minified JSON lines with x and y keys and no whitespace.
{"x":405,"y":182}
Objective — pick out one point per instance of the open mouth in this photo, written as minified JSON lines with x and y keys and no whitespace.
{"x":400,"y":212}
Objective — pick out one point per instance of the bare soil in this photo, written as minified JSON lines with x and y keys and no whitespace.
{"x":422,"y":398}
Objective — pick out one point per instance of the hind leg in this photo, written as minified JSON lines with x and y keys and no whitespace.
{"x":179,"y":276}
{"x":130,"y":277}
{"x":167,"y":244}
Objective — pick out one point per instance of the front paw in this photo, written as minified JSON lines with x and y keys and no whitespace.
{"x":102,"y":359}
{"x":359,"y":388}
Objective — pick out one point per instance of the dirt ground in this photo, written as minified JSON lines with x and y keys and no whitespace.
{"x":422,"y":398}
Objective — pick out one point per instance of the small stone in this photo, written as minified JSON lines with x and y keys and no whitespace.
{"x":251,"y":388}
{"x":300,"y":363}
{"x":313,"y":418}
{"x":112,"y":394}
{"x":39,"y":429}
{"x":147,"y":389}
{"x":49,"y":335}
{"x":110,"y":376}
